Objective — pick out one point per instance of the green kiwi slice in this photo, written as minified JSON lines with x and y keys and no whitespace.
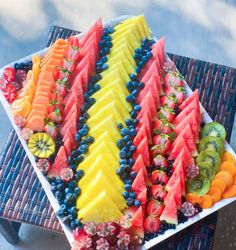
{"x":199,"y":185}
{"x":214,"y":129}
{"x":211,"y":157}
{"x":206,"y":169}
{"x":211,"y":143}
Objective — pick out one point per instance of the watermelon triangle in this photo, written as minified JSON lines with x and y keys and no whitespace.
{"x":92,"y":44}
{"x":144,"y":119}
{"x":187,"y":135}
{"x":71,"y":123}
{"x":68,"y":147}
{"x":143,"y":150}
{"x":169,"y":213}
{"x":191,"y":119}
{"x":153,"y":70}
{"x":145,"y":68}
{"x":69,"y":101}
{"x":140,"y":135}
{"x":68,"y":134}
{"x":85,"y":78}
{"x":142,"y":197}
{"x":60,"y":162}
{"x":186,"y":102}
{"x":73,"y":110}
{"x":148,"y":103}
{"x":139,"y":164}
{"x":152,"y":87}
{"x":177,"y":173}
{"x":159,"y":48}
{"x":138,"y":184}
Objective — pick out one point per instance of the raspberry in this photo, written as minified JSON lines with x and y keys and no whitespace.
{"x":123,"y":240}
{"x":188,"y":209}
{"x":102,"y":244}
{"x":66,"y":174}
{"x":192,"y":171}
{"x":90,"y":228}
{"x":26,"y":133}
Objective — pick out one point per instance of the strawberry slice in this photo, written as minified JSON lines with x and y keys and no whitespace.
{"x":152,"y":224}
{"x":10,"y":92}
{"x":161,"y":144}
{"x":163,"y":127}
{"x":166,"y":113}
{"x":177,"y":93}
{"x":173,"y":78}
{"x":159,"y":177}
{"x":9,"y":74}
{"x":158,"y":192}
{"x":154,"y":208}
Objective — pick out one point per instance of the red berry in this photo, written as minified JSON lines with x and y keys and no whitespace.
{"x":20,"y":78}
{"x":161,"y":144}
{"x":43,"y":165}
{"x":177,"y":92}
{"x":168,"y":101}
{"x":3,"y":83}
{"x":160,"y":161}
{"x":173,"y":78}
{"x":10,"y":92}
{"x":51,"y":129}
{"x":55,"y":115}
{"x":166,"y":113}
{"x":102,"y":244}
{"x":66,"y":174}
{"x":123,"y":239}
{"x":82,"y":240}
{"x":152,"y":224}
{"x":158,"y":192}
{"x":154,"y":208}
{"x":163,"y":127}
{"x":90,"y":228}
{"x":188,"y":209}
{"x":61,"y":88}
{"x":69,"y":64}
{"x":103,"y":229}
{"x":169,"y":66}
{"x":9,"y":74}
{"x":159,"y":177}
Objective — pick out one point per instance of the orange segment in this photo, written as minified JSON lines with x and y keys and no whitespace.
{"x":36,"y":67}
{"x":206,"y":201}
{"x":193,"y":198}
{"x":229,"y":167}
{"x":227,"y":156}
{"x":234,"y":180}
{"x":226,"y":177}
{"x":215,"y":194}
{"x":229,"y":192}
{"x":219,"y":184}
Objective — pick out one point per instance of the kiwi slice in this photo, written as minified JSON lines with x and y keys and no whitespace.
{"x":211,"y":143}
{"x":206,"y":169}
{"x":199,"y":185}
{"x":211,"y":157}
{"x":41,"y":145}
{"x":214,"y":129}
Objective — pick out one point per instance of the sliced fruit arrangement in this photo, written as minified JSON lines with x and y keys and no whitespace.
{"x":124,"y":148}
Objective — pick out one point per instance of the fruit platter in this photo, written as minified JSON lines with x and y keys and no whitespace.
{"x":122,"y":146}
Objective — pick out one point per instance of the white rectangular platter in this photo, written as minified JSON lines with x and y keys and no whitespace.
{"x":46,"y":185}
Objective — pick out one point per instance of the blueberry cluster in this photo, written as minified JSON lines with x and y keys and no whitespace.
{"x":67,"y":192}
{"x":128,"y":132}
{"x":25,"y":66}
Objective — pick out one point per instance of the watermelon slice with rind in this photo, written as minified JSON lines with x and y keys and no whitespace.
{"x":73,"y":110}
{"x":145,"y":120}
{"x":71,"y":123}
{"x":148,"y":103}
{"x":140,"y":135}
{"x":139,"y":164}
{"x":187,"y":135}
{"x":143,"y":150}
{"x":187,"y":101}
{"x":159,"y":47}
{"x":68,"y":134}
{"x":68,"y":146}
{"x":169,"y":213}
{"x":60,"y":162}
{"x":138,"y":184}
{"x":192,"y":120}
{"x":70,"y":99}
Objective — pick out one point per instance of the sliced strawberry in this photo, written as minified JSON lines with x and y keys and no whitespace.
{"x":9,"y":74}
{"x":10,"y":92}
{"x":55,"y":116}
{"x":154,"y":208}
{"x":177,"y":93}
{"x":152,"y":224}
{"x":160,"y":161}
{"x":161,"y":144}
{"x":166,"y":113}
{"x":173,"y":78}
{"x":163,"y":127}
{"x":159,"y":177}
{"x":61,"y":87}
{"x":51,"y":129}
{"x":168,"y":101}
{"x":158,"y":192}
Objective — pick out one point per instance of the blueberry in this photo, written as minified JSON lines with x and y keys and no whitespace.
{"x":72,"y":211}
{"x":132,"y":194}
{"x":83,"y":132}
{"x":128,"y":154}
{"x":99,"y":64}
{"x":135,"y":92}
{"x":109,"y":44}
{"x":126,"y":138}
{"x":119,"y":144}
{"x":96,"y":88}
{"x":119,"y":171}
{"x":149,"y":55}
{"x":101,"y":44}
{"x":129,"y":201}
{"x":128,"y":143}
{"x":137,"y":51}
{"x":133,"y":77}
{"x":122,"y":154}
{"x":80,"y":173}
{"x":123,"y":161}
{"x":70,"y":197}
{"x":120,"y":125}
{"x":74,"y":153}
{"x":86,"y":116}
{"x":77,"y":191}
{"x":78,"y":136}
{"x":125,"y":194}
{"x":86,"y":97}
{"x":133,"y":114}
{"x":131,"y":162}
{"x":137,"y":107}
{"x":124,"y":131}
{"x":128,"y":181}
{"x":137,"y":69}
{"x":77,"y":222}
{"x":124,"y":176}
{"x":60,"y":186}
{"x":133,"y":174}
{"x":104,"y":59}
{"x":143,"y":58}
{"x":130,"y":98}
{"x":128,"y":122}
{"x":72,"y":225}
{"x":136,"y":57}
{"x":123,"y":167}
{"x":54,"y":188}
{"x":132,"y":132}
{"x":127,"y":187}
{"x":137,"y":203}
{"x":141,"y":85}
{"x":132,"y":148}
{"x":80,"y":158}
{"x":58,"y":195}
{"x":135,"y":122}
{"x":92,"y":100}
{"x":60,"y":213}
{"x":70,"y":160}
{"x":90,"y":140}
{"x":72,"y":184}
{"x":129,"y":86}
{"x":83,"y":149}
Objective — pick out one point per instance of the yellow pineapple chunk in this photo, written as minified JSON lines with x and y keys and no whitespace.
{"x":101,"y":209}
{"x":100,"y":183}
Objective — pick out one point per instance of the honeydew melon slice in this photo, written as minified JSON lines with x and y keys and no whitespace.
{"x":101,"y":209}
{"x":99,"y":184}
{"x":116,"y":90}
